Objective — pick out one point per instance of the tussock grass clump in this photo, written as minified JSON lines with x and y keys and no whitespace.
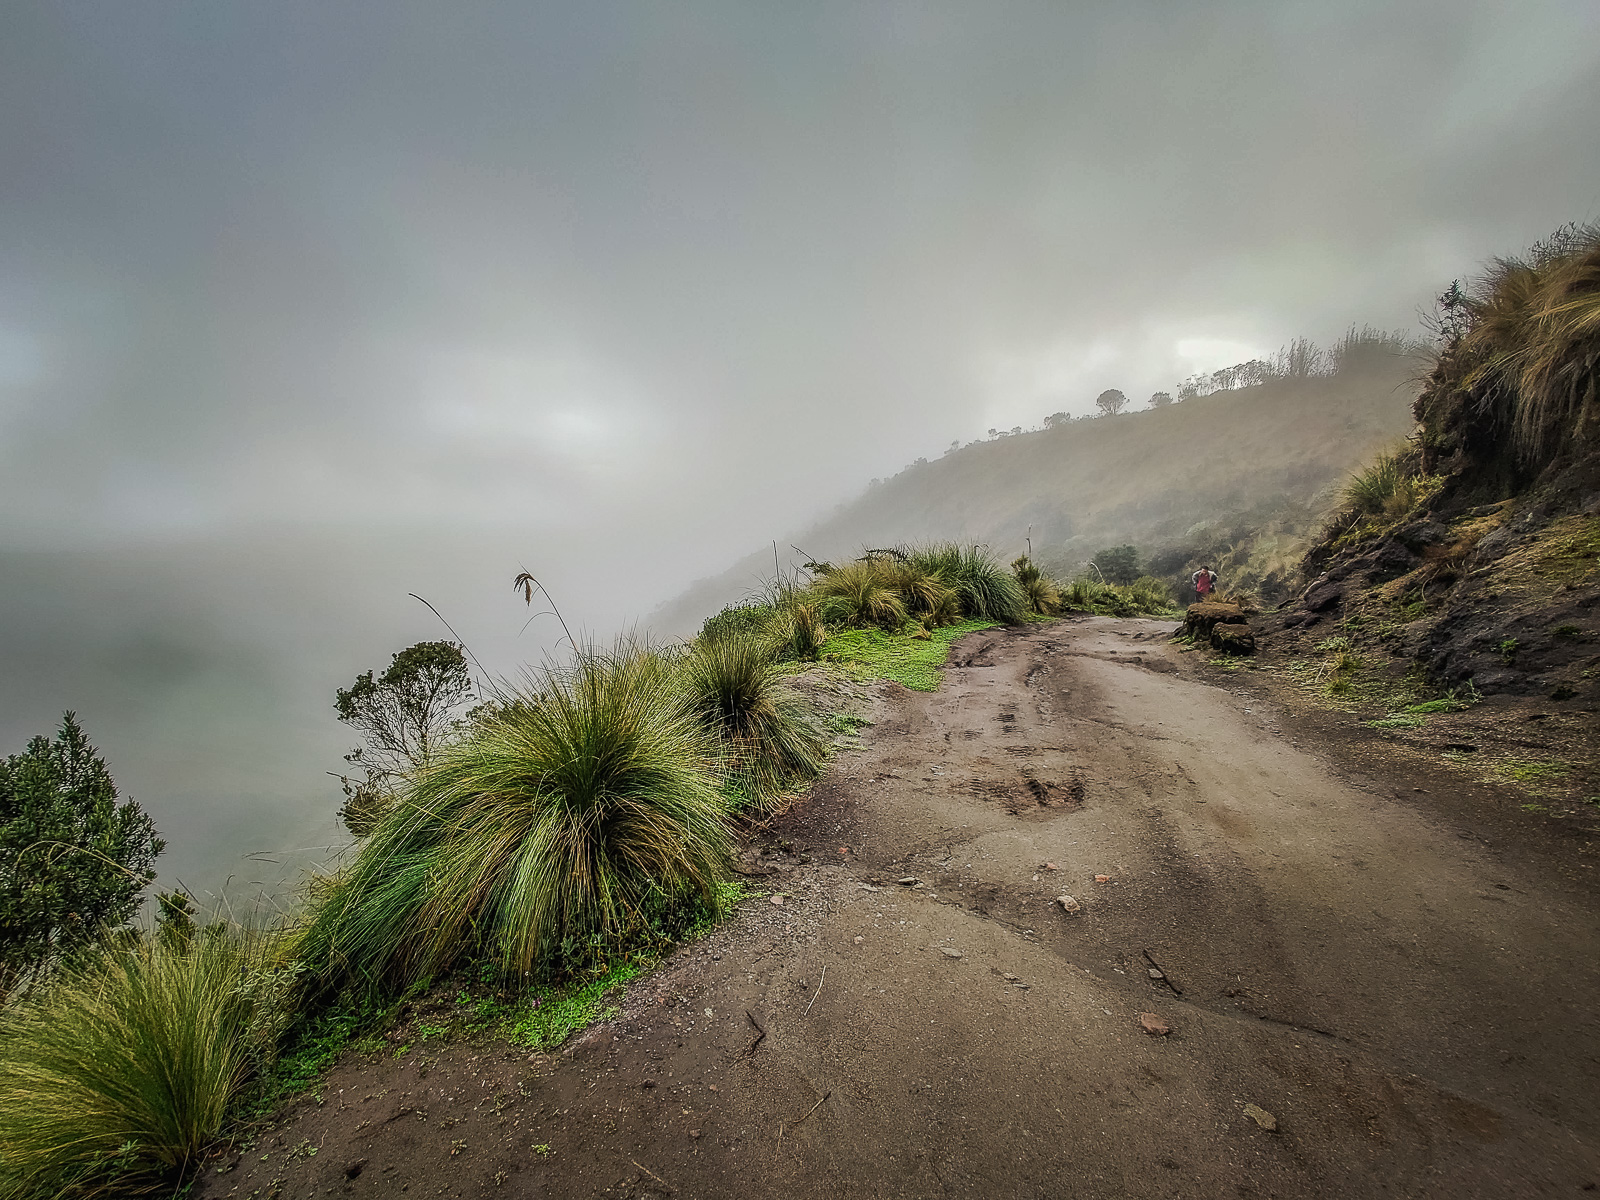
{"x":554,"y":823}
{"x":984,"y":589}
{"x":1521,"y":351}
{"x":766,"y":729}
{"x":1039,"y":589}
{"x":797,"y":632}
{"x":119,"y":1070}
{"x":927,"y":596}
{"x":1387,"y":489}
{"x":861,"y":595}
{"x":1370,"y":489}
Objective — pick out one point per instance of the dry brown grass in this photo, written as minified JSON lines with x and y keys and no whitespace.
{"x":1526,"y":353}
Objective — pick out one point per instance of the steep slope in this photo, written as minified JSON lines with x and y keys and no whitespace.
{"x":1243,"y":476}
{"x":1475,"y":554}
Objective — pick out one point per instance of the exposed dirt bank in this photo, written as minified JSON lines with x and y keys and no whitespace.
{"x":1369,"y":989}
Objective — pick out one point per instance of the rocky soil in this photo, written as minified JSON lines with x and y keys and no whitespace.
{"x":1093,"y":920}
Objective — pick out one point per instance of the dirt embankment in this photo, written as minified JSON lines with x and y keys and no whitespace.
{"x":1372,"y":980}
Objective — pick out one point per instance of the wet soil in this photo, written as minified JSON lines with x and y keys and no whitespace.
{"x":1375,"y":980}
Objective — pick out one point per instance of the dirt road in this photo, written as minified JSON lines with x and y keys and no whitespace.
{"x":1370,"y":990}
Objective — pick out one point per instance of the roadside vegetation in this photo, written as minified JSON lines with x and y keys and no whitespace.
{"x":1463,"y":564}
{"x":516,"y":863}
{"x":122,"y":1067}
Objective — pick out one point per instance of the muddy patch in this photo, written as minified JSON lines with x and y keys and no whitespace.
{"x":1027,"y":795}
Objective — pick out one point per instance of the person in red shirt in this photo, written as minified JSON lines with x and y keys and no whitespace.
{"x":1205,"y":583}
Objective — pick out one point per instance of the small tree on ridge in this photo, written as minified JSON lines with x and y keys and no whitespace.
{"x":1110,"y":402}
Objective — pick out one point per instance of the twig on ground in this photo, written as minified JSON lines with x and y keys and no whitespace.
{"x":818,"y":992}
{"x":652,"y":1175}
{"x":816,"y":1106}
{"x":762,"y":1033}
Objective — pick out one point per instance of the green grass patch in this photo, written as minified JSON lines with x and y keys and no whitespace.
{"x":1443,"y":704}
{"x":1398,"y":721}
{"x":914,"y":662}
{"x":549,"y":1018}
{"x":1532,"y":772}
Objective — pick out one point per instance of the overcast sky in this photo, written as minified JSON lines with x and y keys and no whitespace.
{"x":705,"y":268}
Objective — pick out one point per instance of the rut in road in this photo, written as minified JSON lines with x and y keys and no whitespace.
{"x":1410,"y":1006}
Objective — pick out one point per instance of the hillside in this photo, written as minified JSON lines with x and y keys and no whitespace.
{"x":1242,"y":475}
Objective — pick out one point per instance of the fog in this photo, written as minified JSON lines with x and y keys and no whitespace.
{"x":305,"y":307}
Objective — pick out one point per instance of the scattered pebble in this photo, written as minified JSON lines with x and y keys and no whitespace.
{"x":859,"y":939}
{"x":1261,"y":1117}
{"x":1068,"y":904}
{"x":949,"y":953}
{"x":1154,"y":1025}
{"x":1102,"y":879}
{"x":908,"y":880}
{"x":1155,"y":974}
{"x":778,"y":899}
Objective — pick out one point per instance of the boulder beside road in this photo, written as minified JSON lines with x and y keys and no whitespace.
{"x":1233,"y":638}
{"x":1200,"y":618}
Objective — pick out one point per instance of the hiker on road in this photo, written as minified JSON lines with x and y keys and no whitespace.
{"x":1205,"y":583}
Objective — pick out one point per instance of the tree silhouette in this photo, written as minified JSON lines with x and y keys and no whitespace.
{"x":1110,"y":402}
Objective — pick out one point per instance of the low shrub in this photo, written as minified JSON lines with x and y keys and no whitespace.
{"x":738,"y":618}
{"x":1150,"y":595}
{"x":1143,"y":597}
